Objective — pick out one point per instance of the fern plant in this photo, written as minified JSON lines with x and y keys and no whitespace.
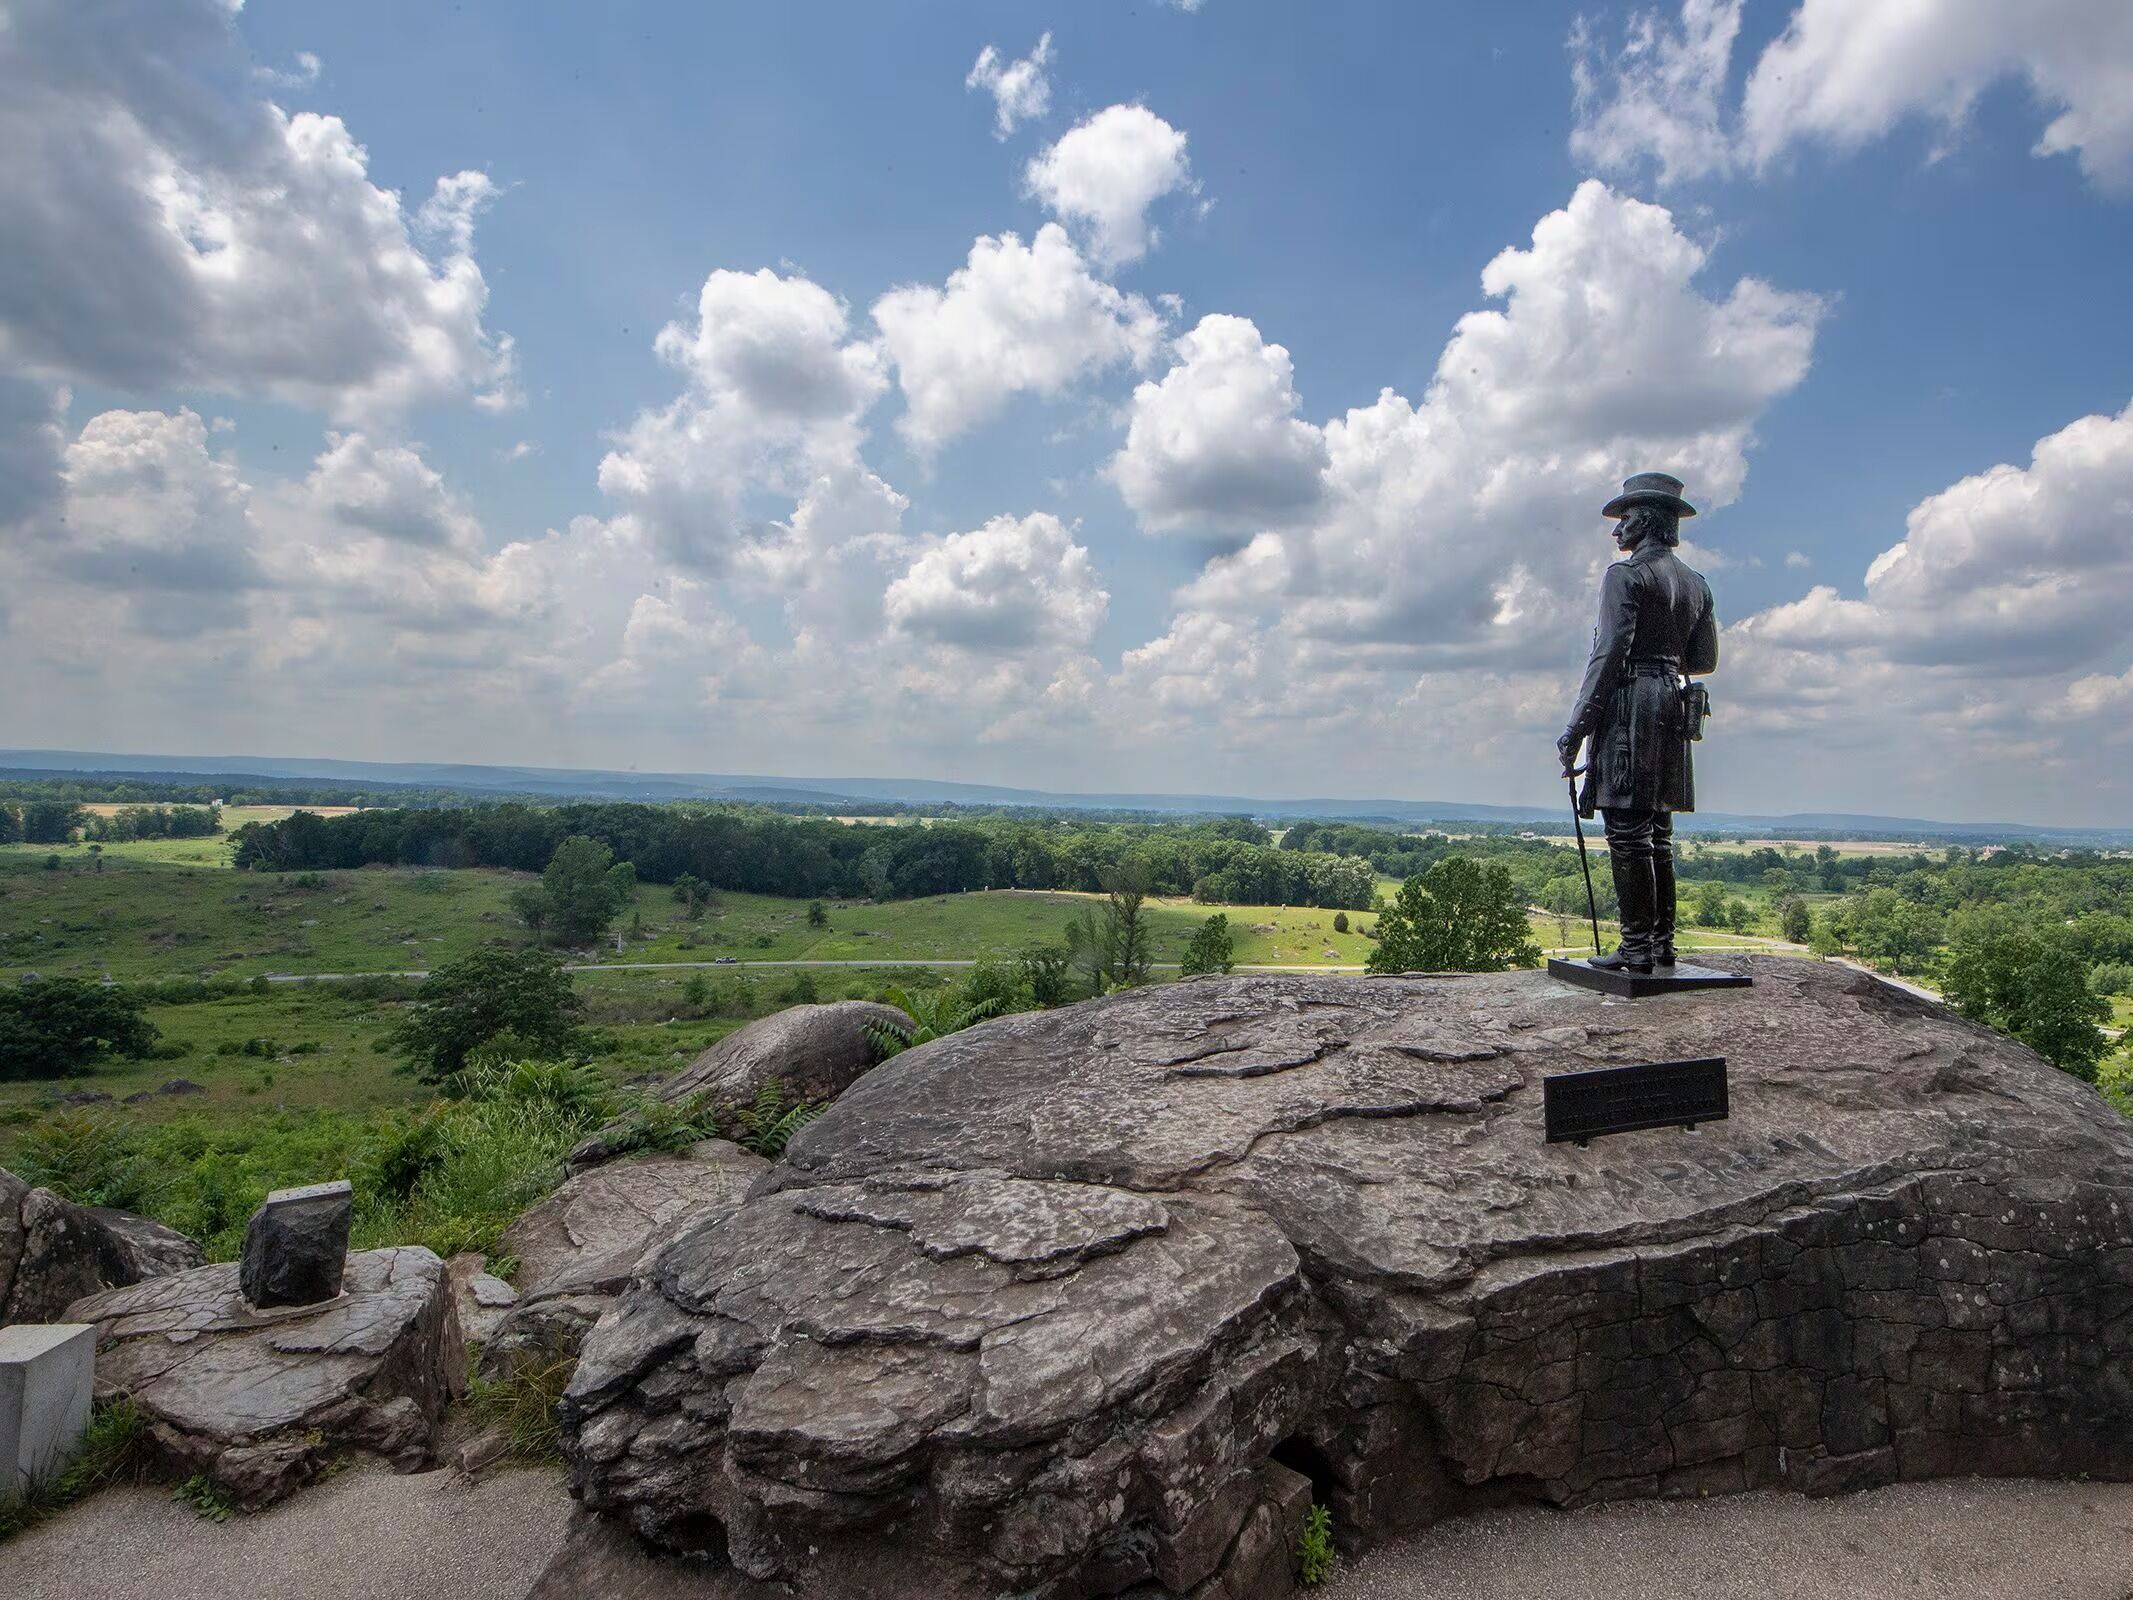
{"x":932,"y":1017}
{"x":768,"y":1126}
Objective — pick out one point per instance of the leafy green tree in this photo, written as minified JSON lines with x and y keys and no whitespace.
{"x":1211,"y":949}
{"x":1740,"y":916}
{"x":2030,"y":985}
{"x":692,"y":893}
{"x":1895,"y":932}
{"x":54,"y":1027}
{"x":50,"y":821}
{"x":1109,"y":944}
{"x":1340,"y":922}
{"x":1460,"y":916}
{"x":1794,"y":920}
{"x":2112,"y":977}
{"x":1711,"y":905}
{"x":532,"y":906}
{"x":522,"y":997}
{"x":817,"y":914}
{"x":1044,"y":972}
{"x":582,"y":889}
{"x":1131,"y":940}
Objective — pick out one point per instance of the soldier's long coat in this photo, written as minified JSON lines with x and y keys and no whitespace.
{"x":1653,"y":608}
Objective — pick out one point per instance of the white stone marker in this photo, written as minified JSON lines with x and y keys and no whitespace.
{"x":47,"y":1371}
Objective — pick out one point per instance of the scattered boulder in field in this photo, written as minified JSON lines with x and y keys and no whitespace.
{"x":577,"y":1248}
{"x":1039,"y":1307}
{"x":52,"y":1251}
{"x":263,"y":1401}
{"x":815,"y":1052}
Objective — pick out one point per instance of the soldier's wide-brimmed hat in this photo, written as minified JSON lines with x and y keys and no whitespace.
{"x":1649,"y":489}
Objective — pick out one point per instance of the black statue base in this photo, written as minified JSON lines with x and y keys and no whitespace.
{"x":1678,"y":979}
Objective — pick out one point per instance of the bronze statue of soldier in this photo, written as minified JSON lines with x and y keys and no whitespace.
{"x":1657,"y":624}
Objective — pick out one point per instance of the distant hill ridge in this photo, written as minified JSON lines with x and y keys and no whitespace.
{"x":557,"y":783}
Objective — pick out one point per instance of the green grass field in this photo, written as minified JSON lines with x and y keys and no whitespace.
{"x":174,"y":909}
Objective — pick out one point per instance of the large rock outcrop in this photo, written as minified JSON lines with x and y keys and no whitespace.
{"x":52,"y":1251}
{"x":577,"y":1248}
{"x":264,"y":1401}
{"x":1034,"y":1307}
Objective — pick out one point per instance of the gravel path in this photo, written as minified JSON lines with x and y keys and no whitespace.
{"x":369,"y":1535}
{"x":365,"y":1534}
{"x":1960,"y":1539}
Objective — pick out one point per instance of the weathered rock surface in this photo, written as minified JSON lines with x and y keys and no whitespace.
{"x":52,"y":1251}
{"x":296,"y":1244}
{"x":263,"y":1401}
{"x":576,"y":1249}
{"x":1033,"y":1307}
{"x":479,"y":1297}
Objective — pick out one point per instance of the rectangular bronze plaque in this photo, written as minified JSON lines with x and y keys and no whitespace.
{"x":1653,"y":1094}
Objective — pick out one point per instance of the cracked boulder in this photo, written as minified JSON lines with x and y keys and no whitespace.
{"x":52,"y":1251}
{"x":576,"y":1249}
{"x":1095,"y":1301}
{"x":262,"y":1402}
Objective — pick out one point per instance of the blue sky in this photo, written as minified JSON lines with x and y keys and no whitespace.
{"x":308,"y":499}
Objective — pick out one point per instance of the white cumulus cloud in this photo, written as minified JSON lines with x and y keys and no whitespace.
{"x":169,"y":228}
{"x":1013,"y":319}
{"x":1015,"y":582}
{"x":774,"y":393}
{"x":1847,"y":72}
{"x":1216,"y":444}
{"x":1104,"y":174}
{"x":1020,"y":89}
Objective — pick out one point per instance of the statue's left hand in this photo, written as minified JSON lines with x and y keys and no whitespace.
{"x":1567,"y":748}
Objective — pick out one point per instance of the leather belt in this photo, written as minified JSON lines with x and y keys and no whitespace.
{"x":1652,"y":669}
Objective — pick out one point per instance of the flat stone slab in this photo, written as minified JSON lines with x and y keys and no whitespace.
{"x":263,"y":1400}
{"x":1033,"y":1307}
{"x":1682,"y":978}
{"x":577,"y":1249}
{"x":46,"y":1373}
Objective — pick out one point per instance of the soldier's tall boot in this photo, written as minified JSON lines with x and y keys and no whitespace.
{"x":1662,"y":908}
{"x":1629,"y":854}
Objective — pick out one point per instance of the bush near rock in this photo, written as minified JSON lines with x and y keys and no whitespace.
{"x":1033,"y":1308}
{"x":262,"y":1402}
{"x":52,"y":1251}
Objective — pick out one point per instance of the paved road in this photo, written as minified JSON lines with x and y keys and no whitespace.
{"x":691,"y":966}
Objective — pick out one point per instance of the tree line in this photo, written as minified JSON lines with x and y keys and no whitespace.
{"x":753,"y":850}
{"x":59,"y":821}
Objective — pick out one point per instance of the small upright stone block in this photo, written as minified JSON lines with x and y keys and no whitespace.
{"x":47,"y":1374}
{"x":296,"y":1245}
